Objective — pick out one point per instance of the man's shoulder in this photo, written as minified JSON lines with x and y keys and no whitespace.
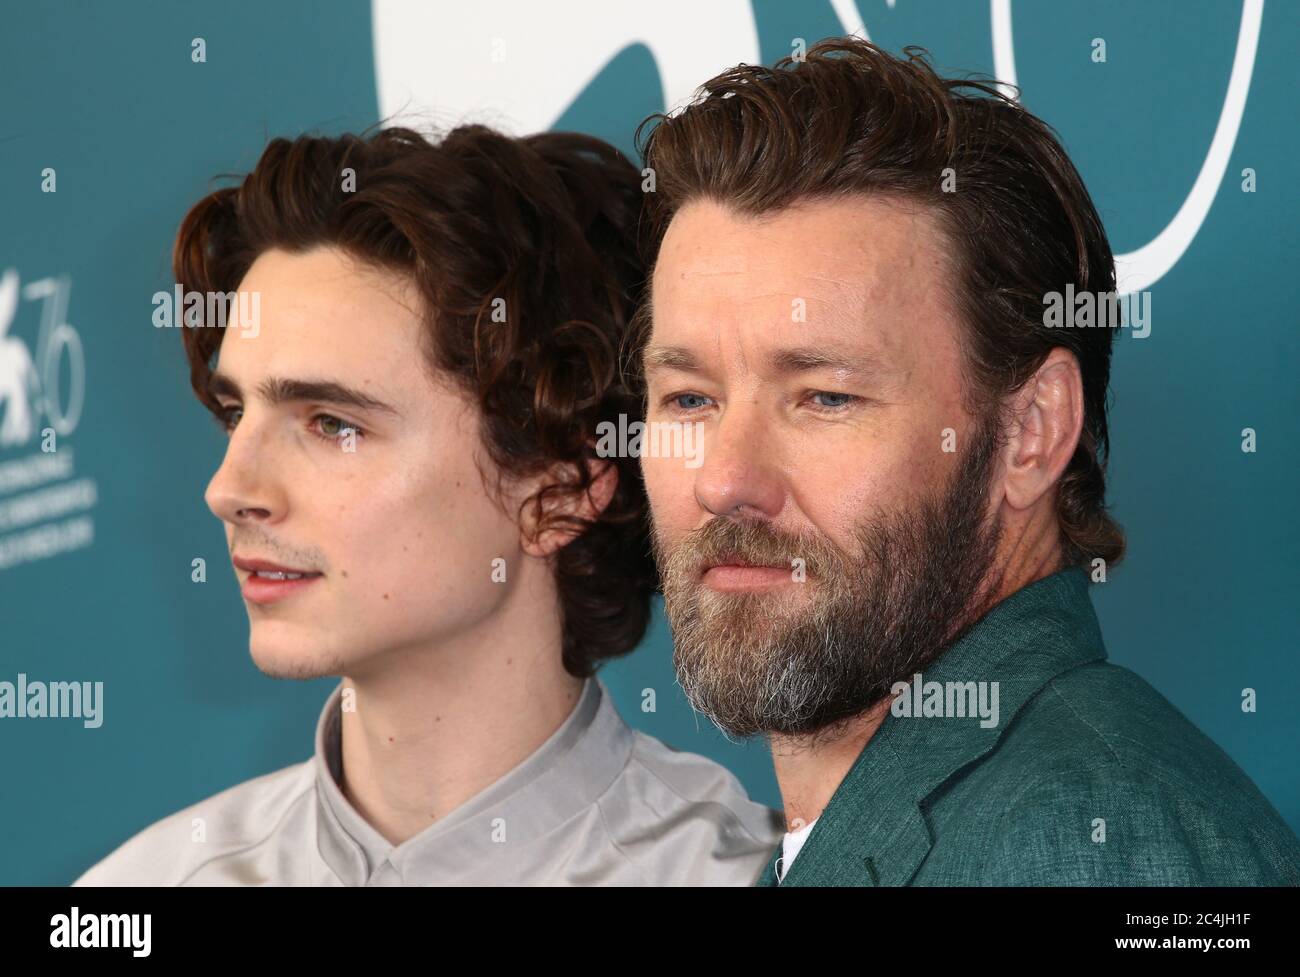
{"x":1102,"y":722}
{"x":1100,"y":779}
{"x":172,"y":850}
{"x":688,"y":816}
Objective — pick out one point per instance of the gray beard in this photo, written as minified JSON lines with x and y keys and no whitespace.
{"x":808,"y":660}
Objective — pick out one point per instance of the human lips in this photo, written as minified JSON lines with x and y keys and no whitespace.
{"x":254,"y":565}
{"x":266,"y":582}
{"x":735,"y":573}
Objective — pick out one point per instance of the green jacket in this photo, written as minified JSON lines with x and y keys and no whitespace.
{"x":1082,"y":751}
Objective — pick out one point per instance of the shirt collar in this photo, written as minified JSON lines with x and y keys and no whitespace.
{"x":564,"y":775}
{"x":1023,"y":643}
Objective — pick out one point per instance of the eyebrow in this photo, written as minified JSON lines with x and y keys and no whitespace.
{"x":284,"y":390}
{"x":783,"y":362}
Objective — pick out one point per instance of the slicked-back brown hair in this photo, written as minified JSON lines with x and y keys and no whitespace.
{"x":547,"y":223}
{"x":852,"y":118}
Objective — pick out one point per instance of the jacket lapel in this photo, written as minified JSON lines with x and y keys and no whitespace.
{"x":873,"y":831}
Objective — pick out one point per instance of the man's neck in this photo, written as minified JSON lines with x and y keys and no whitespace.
{"x":809,"y":769}
{"x":433,"y":728}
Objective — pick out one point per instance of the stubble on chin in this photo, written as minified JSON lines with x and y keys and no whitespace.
{"x":302,"y":662}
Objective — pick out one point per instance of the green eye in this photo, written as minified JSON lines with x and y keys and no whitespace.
{"x":226,"y":419}
{"x":327,"y":427}
{"x":333,"y":429}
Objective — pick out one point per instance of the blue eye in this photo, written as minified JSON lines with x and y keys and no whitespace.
{"x":675,"y":401}
{"x":845,"y":400}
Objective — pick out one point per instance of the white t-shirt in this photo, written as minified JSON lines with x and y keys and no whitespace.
{"x":790,"y":845}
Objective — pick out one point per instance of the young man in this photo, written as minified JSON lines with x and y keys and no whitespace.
{"x":412,"y":502}
{"x":883,"y":559}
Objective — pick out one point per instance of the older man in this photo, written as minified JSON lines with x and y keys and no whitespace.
{"x":883,"y":560}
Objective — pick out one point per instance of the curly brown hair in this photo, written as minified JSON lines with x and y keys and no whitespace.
{"x":853,"y":118}
{"x":547,"y":223}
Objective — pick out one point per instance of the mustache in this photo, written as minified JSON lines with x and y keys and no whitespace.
{"x":750,"y":541}
{"x":263,"y":547}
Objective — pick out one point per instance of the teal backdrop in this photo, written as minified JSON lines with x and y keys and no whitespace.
{"x":95,"y":553}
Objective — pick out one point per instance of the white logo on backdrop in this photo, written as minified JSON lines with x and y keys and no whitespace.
{"x":50,"y":512}
{"x":451,"y":63}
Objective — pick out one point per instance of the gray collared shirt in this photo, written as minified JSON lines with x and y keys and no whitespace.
{"x":597,"y":803}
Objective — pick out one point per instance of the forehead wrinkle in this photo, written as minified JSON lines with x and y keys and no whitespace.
{"x":690,"y":273}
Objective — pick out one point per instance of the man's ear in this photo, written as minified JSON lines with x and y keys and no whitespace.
{"x":586,"y":506}
{"x":1046,"y":421}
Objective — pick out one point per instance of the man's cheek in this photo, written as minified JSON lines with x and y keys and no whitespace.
{"x":651,"y":476}
{"x":670,"y":484}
